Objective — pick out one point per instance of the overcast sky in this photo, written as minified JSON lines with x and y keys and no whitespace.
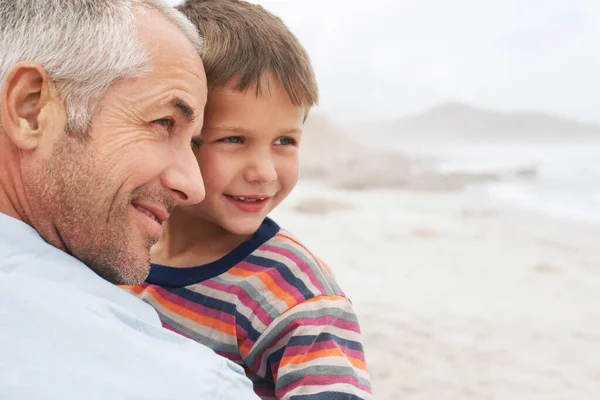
{"x":386,"y":58}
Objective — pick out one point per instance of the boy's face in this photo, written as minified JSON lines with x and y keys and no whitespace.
{"x":249,"y":155}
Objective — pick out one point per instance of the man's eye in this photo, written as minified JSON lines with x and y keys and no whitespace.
{"x":166,"y":123}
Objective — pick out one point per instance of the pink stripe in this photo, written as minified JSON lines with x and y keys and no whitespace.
{"x":291,"y":351}
{"x":275,"y":366}
{"x":242,"y":298}
{"x":195,"y":307}
{"x":263,"y":391}
{"x":319,"y":322}
{"x":304,"y":267}
{"x":322,"y":380}
{"x":235,"y":357}
{"x":328,"y":320}
{"x":274,"y":274}
{"x":243,"y":339}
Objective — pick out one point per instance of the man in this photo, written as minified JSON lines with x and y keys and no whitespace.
{"x":100,"y":101}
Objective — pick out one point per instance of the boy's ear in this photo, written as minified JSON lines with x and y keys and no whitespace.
{"x":27,"y":104}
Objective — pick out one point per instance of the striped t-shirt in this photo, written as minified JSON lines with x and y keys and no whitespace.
{"x":272,"y":307}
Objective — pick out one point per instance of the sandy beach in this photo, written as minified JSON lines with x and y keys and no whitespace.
{"x":460,"y":296}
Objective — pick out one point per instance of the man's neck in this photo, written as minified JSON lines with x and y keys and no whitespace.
{"x":9,"y":202}
{"x":6,"y":206}
{"x":13,"y":201}
{"x":189,"y":240}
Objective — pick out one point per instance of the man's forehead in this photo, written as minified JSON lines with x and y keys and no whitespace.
{"x":182,"y":87}
{"x":162,"y":35}
{"x":176,"y":77}
{"x":179,"y":73}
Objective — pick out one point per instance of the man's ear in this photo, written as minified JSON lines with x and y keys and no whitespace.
{"x":27,"y":105}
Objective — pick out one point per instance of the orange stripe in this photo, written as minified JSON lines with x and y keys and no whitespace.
{"x":245,"y":347}
{"x":321,"y":298}
{"x":137,"y":289}
{"x":315,"y":355}
{"x":269,"y":283}
{"x":241,"y":272}
{"x":291,"y":239}
{"x":213,"y":323}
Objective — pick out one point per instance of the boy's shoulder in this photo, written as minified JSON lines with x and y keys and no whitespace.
{"x":296,"y":268}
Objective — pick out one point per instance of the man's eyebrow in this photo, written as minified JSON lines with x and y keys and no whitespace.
{"x":186,"y":110}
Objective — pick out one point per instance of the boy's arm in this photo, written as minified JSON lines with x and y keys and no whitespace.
{"x":314,"y":351}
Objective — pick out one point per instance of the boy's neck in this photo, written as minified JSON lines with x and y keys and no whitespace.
{"x":190,"y":241}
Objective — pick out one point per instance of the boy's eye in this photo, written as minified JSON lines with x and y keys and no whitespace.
{"x":232,"y":139}
{"x":285,"y":141}
{"x":166,"y":123}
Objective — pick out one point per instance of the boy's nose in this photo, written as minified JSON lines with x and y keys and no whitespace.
{"x":261,"y":170}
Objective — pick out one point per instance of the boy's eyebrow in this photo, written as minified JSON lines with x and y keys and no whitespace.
{"x":291,"y":131}
{"x":245,"y":131}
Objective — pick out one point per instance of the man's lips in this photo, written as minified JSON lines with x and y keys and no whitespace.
{"x":156,"y":212}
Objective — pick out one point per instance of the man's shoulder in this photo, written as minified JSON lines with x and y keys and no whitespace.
{"x":87,"y":333}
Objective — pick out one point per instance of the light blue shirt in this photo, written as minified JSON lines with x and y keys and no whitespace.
{"x":66,"y":333}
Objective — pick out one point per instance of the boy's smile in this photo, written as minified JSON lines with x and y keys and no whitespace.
{"x":249,"y":203}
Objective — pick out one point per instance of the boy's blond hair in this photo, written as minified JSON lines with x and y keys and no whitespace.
{"x":244,"y":43}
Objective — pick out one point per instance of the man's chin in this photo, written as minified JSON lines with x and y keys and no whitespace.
{"x":134,"y":267}
{"x":131,"y":274}
{"x":126,"y":268}
{"x":134,"y":279}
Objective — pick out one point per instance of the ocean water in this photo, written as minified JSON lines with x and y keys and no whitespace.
{"x":566,"y":182}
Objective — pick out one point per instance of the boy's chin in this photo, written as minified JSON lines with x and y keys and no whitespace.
{"x":243,"y":228}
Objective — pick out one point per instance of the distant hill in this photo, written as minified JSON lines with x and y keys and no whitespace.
{"x":325,"y":147}
{"x":460,"y":120}
{"x":327,"y":153}
{"x":330,"y":155}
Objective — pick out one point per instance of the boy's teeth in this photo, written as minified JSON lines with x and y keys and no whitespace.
{"x":247,"y":199}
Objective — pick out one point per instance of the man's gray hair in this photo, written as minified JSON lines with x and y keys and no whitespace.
{"x":84,"y":45}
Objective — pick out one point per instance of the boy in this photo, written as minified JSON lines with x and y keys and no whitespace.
{"x":223,"y":273}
